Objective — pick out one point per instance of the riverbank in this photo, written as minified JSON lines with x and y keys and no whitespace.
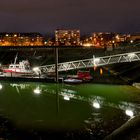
{"x":128,"y":131}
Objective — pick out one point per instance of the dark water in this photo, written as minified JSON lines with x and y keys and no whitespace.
{"x":86,"y":111}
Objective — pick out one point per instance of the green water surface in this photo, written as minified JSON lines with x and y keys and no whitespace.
{"x":61,"y":107}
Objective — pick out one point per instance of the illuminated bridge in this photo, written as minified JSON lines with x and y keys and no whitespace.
{"x":95,"y":61}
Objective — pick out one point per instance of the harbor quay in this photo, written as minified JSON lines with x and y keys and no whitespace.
{"x":69,"y":70}
{"x":83,"y":101}
{"x":38,"y":57}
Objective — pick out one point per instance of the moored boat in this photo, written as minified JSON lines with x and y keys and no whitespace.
{"x":18,"y":69}
{"x":72,"y":81}
{"x":81,"y":76}
{"x":84,"y":75}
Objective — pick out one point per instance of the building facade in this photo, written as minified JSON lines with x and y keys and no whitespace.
{"x":21,"y":39}
{"x":67,"y":37}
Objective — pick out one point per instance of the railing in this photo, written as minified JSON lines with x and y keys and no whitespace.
{"x":95,"y":61}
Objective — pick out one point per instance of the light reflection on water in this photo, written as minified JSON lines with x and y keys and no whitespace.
{"x":52,"y":106}
{"x":0,"y":86}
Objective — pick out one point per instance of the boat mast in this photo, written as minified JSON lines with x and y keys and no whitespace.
{"x":15,"y":58}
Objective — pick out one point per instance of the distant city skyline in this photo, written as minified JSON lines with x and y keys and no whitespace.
{"x":45,"y":16}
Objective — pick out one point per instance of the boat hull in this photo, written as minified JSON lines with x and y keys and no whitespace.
{"x":73,"y":81}
{"x":16,"y":74}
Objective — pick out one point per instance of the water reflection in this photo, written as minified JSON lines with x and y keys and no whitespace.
{"x":0,"y":86}
{"x":20,"y":86}
{"x":130,"y":109}
{"x":97,"y":101}
{"x":130,"y":113}
{"x":37,"y":90}
{"x":96,"y":105}
{"x":58,"y":106}
{"x":67,"y":93}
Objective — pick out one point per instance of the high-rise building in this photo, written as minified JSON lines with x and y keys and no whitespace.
{"x":67,"y":37}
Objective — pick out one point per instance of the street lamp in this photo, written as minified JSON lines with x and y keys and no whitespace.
{"x":95,"y":60}
{"x":131,"y":41}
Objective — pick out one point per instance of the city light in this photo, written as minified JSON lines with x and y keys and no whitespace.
{"x":87,"y":45}
{"x":67,"y":37}
{"x":117,"y":37}
{"x":22,"y":39}
{"x":45,"y":42}
{"x":15,"y":35}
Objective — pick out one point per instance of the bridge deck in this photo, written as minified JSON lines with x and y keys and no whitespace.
{"x":95,"y":61}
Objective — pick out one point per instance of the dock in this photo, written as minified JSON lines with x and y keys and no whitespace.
{"x":31,"y":79}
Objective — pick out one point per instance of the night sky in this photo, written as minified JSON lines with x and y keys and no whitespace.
{"x":45,"y":16}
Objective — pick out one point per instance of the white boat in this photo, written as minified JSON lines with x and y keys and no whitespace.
{"x":72,"y":81}
{"x":18,"y":69}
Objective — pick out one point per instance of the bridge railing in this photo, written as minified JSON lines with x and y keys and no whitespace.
{"x":92,"y":62}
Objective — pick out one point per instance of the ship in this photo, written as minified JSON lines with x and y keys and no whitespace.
{"x":18,"y":69}
{"x":80,"y":77}
{"x":84,"y":75}
{"x":72,"y":81}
